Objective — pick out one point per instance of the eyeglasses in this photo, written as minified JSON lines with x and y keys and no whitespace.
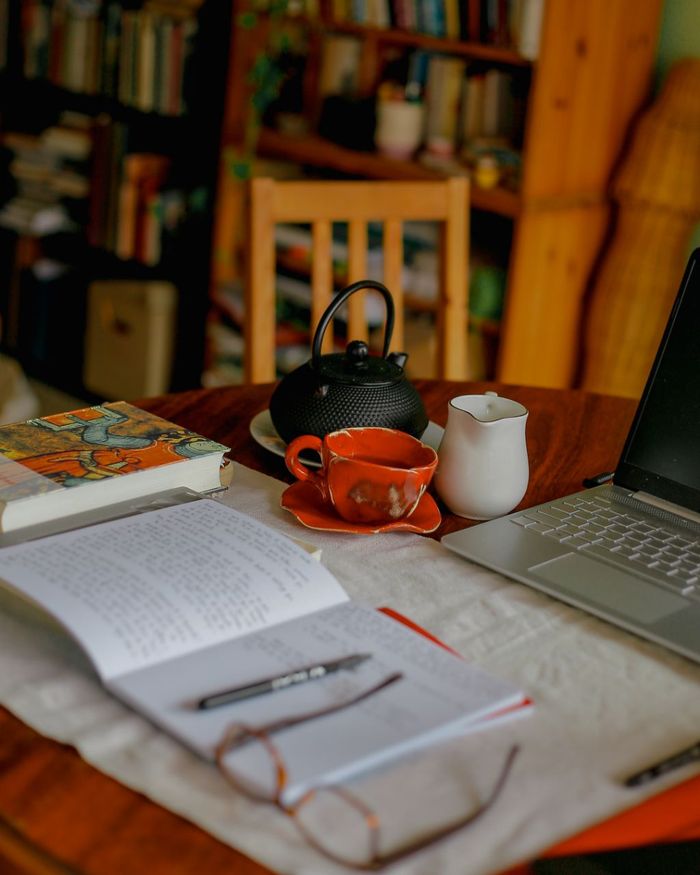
{"x":332,"y":819}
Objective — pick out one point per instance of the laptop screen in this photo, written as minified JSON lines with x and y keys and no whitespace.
{"x":662,"y":453}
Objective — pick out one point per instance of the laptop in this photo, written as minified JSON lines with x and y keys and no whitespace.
{"x":627,"y":551}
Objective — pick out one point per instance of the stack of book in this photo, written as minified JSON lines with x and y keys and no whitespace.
{"x":50,"y":172}
{"x":513,"y":24}
{"x":135,"y":211}
{"x":137,"y":55}
{"x":80,"y":174}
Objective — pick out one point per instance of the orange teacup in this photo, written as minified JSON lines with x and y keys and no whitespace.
{"x":367,"y":474}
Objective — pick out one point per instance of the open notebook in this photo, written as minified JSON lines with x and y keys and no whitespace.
{"x":181,"y":602}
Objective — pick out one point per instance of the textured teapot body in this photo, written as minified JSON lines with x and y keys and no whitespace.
{"x":304,"y":405}
{"x":483,"y":468}
{"x":348,"y":390}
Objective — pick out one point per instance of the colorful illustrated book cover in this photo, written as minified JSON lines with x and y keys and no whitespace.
{"x":81,"y":446}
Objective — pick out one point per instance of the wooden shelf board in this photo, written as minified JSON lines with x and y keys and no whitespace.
{"x":391,"y":36}
{"x":319,"y":152}
{"x":394,"y":36}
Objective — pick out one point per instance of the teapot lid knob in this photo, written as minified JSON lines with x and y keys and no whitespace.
{"x":357,"y":352}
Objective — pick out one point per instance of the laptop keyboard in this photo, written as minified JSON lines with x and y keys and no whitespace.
{"x":599,"y":527}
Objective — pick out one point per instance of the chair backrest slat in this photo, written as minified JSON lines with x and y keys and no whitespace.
{"x":321,"y":277}
{"x":453,"y":311}
{"x":260,"y":299}
{"x":392,"y":245}
{"x":357,"y":270}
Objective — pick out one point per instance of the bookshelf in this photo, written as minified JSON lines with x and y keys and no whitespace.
{"x":580,"y":77}
{"x":123,"y":100}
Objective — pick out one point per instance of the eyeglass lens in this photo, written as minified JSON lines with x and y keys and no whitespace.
{"x":334,"y":820}
{"x":340,"y":825}
{"x":251,"y":760}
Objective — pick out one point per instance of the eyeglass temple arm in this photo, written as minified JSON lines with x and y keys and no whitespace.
{"x":420,"y":844}
{"x":378,"y":860}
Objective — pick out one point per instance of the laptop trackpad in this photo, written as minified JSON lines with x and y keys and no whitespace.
{"x":608,"y":587}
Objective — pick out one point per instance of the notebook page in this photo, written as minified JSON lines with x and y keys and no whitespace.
{"x":439,"y":695}
{"x":143,"y":589}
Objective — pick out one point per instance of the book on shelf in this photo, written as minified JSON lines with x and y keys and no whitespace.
{"x":453,"y":27}
{"x":126,"y":66}
{"x":340,"y":64}
{"x":492,"y":106}
{"x":179,"y":603}
{"x":510,"y":24}
{"x":443,"y":91}
{"x":377,"y":13}
{"x":162,"y":62}
{"x":143,"y":176}
{"x":138,"y":55}
{"x":495,"y":21}
{"x":430,"y":16}
{"x":170,"y":91}
{"x":50,"y":176}
{"x":73,"y":68}
{"x":528,"y":16}
{"x":403,"y":14}
{"x":70,"y":138}
{"x":4,"y":33}
{"x":111,"y":46}
{"x":110,"y":148}
{"x":57,"y":466}
{"x":35,"y":30}
{"x":144,"y":97}
{"x":66,"y":143}
{"x":472,"y":107}
{"x":100,"y":179}
{"x":498,"y":112}
{"x":417,"y":74}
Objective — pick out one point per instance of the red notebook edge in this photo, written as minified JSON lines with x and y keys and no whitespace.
{"x":525,"y":703}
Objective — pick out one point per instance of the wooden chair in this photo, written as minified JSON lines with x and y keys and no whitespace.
{"x":320,"y":203}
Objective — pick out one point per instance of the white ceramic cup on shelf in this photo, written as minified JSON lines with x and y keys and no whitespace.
{"x":399,"y":130}
{"x":483,"y":468}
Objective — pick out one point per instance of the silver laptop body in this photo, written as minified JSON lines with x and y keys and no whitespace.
{"x":628,"y":552}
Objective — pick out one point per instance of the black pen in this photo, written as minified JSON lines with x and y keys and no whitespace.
{"x":598,"y":479}
{"x":682,"y":758}
{"x":281,"y":682}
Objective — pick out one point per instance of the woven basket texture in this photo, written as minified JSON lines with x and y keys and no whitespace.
{"x":633,"y":294}
{"x":657,"y":188}
{"x":662,"y":166}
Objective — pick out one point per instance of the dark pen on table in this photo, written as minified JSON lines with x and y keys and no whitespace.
{"x":598,"y":479}
{"x":675,"y":761}
{"x":281,"y":682}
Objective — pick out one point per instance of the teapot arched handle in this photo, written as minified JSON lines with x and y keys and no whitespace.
{"x":338,"y":302}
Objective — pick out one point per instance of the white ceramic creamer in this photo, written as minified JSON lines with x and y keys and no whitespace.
{"x":483,"y":468}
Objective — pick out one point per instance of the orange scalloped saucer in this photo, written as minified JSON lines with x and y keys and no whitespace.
{"x":306,"y":503}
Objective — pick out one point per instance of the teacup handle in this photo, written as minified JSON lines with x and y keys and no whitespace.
{"x":297,"y":467}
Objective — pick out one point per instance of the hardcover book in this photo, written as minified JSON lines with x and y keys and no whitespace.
{"x":60,"y":465}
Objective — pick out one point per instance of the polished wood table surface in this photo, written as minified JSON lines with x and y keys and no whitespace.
{"x":60,"y":815}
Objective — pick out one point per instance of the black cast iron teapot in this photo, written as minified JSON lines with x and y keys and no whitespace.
{"x":350,"y":389}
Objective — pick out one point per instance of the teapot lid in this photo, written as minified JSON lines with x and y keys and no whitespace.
{"x":356,"y":367}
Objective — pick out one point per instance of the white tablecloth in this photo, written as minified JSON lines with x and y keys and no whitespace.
{"x":607,"y":704}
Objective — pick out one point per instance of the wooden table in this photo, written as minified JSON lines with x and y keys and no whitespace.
{"x":60,"y":815}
